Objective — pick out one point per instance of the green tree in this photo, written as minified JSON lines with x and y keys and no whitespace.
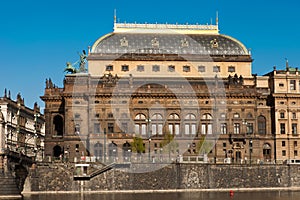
{"x":137,"y":145}
{"x":204,"y":146}
{"x":169,"y":144}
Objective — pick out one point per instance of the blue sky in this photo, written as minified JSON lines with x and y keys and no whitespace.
{"x":38,"y":37}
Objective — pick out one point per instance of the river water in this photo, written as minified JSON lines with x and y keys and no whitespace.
{"x":270,"y":195}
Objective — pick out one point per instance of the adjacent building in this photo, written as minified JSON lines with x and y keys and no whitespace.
{"x":22,"y":129}
{"x":184,"y":90}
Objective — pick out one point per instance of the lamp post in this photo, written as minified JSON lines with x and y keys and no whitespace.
{"x":104,"y":146}
{"x":149,"y":153}
{"x":148,"y":120}
{"x":250,"y":149}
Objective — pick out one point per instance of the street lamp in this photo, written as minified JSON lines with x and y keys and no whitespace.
{"x":149,"y":149}
{"x":104,"y":146}
{"x":148,"y":120}
{"x":250,"y":150}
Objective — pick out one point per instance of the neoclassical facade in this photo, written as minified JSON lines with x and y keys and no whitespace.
{"x":151,"y":81}
{"x":22,"y":129}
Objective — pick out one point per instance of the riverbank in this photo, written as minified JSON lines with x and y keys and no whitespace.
{"x":167,"y":191}
{"x":177,"y":177}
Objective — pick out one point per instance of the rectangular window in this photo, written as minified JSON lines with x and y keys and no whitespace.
{"x":282,"y":128}
{"x":292,"y":84}
{"x":249,"y":128}
{"x":231,"y":69}
{"x":295,"y":144}
{"x":294,"y":129}
{"x":209,"y":129}
{"x":153,"y":129}
{"x":193,"y":127}
{"x":144,"y":129}
{"x":110,"y":127}
{"x":201,"y":68}
{"x":236,"y":128}
{"x":282,"y":115}
{"x":186,"y":68}
{"x":96,"y":128}
{"x":176,"y":129}
{"x":294,"y":115}
{"x":216,"y":69}
{"x":223,"y":128}
{"x":295,"y":153}
{"x":187,"y":129}
{"x":125,"y":68}
{"x":203,"y":129}
{"x":171,"y":129}
{"x":171,"y":68}
{"x":160,"y":129}
{"x":109,"y":68}
{"x":137,"y":129}
{"x":283,"y":143}
{"x":156,"y":68}
{"x":140,"y":68}
{"x":283,"y":153}
{"x":224,"y":144}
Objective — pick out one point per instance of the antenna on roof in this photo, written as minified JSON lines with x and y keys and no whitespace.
{"x":115,"y":16}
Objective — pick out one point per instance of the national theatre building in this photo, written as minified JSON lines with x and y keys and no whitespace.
{"x":162,"y":92}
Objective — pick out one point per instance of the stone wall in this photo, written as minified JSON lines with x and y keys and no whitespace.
{"x":59,"y":177}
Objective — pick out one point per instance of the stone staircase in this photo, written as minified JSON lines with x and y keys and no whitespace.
{"x":8,"y":186}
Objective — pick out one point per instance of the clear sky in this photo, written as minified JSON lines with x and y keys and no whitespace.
{"x":38,"y":37}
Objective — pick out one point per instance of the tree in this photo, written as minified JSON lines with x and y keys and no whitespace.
{"x":137,"y":145}
{"x":204,"y":146}
{"x":169,"y":144}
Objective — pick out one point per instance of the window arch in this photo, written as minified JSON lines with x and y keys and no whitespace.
{"x":157,"y":124}
{"x":267,"y":151}
{"x":173,"y":116}
{"x":112,"y":151}
{"x":190,"y":116}
{"x":261,"y":122}
{"x":58,"y":125}
{"x":126,"y":151}
{"x":174,"y":124}
{"x":206,"y":124}
{"x":206,"y":116}
{"x":98,"y":151}
{"x":140,"y":116}
{"x":140,"y":124}
{"x":190,"y":124}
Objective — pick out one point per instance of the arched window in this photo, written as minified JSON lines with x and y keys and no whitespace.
{"x":261,"y":122}
{"x":157,"y":124}
{"x":267,"y":151}
{"x":58,"y":125}
{"x":112,"y":151}
{"x":98,"y":151}
{"x":141,"y":124}
{"x":206,"y":124}
{"x":174,"y":124}
{"x":126,"y":151}
{"x":190,"y":124}
{"x":140,"y":116}
{"x":206,"y":116}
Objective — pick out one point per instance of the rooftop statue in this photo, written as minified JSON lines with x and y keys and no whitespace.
{"x":82,"y":60}
{"x":70,"y":68}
